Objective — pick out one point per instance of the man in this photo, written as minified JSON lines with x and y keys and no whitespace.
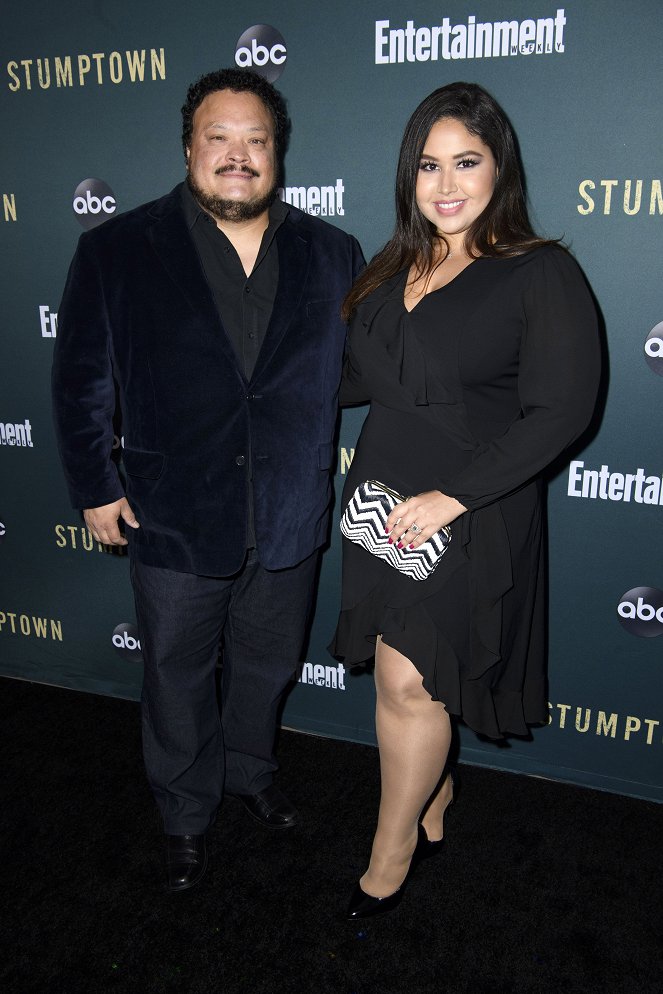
{"x":215,"y":311}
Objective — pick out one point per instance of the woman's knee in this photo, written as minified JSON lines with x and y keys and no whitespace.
{"x":400,"y":685}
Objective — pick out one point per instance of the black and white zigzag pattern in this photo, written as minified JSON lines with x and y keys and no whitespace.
{"x":364,"y":523}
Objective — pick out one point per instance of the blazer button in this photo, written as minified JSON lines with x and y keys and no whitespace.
{"x":240,"y":460}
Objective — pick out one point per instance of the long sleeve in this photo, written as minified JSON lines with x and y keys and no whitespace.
{"x":83,"y":386}
{"x":558,"y":376}
{"x":353,"y":389}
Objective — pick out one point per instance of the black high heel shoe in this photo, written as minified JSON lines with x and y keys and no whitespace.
{"x":363,"y":905}
{"x":425,"y":848}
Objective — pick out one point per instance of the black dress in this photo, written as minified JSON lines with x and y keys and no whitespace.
{"x":474,"y":392}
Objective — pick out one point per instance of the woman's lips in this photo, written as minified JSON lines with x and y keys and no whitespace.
{"x":448,"y":207}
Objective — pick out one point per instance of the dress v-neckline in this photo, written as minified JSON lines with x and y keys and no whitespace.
{"x":437,"y":289}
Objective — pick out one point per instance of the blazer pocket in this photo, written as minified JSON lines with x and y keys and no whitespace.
{"x":325,"y":455}
{"x":140,"y":462}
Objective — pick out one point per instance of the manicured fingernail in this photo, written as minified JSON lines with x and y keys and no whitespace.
{"x":410,"y":546}
{"x":387,"y":530}
{"x":391,"y":541}
{"x":400,"y":545}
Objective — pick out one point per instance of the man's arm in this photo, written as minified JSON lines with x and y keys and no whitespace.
{"x":84,"y":399}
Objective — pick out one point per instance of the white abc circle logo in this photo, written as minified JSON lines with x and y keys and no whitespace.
{"x":3,"y":530}
{"x":262,"y":48}
{"x":93,"y":203}
{"x":654,"y":349}
{"x":640,"y":611}
{"x":126,"y":642}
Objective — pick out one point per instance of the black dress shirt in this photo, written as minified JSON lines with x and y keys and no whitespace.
{"x":244,"y":303}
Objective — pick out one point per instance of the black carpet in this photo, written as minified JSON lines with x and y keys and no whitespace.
{"x":542,"y":887}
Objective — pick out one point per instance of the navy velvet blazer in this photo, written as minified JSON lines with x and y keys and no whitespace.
{"x":138,"y":314}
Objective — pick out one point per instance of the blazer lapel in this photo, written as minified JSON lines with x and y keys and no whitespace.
{"x":171,"y":240}
{"x":294,"y":260}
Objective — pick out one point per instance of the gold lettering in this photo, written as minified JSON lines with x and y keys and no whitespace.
{"x":563,"y":708}
{"x":606,"y":727}
{"x":588,"y":715}
{"x":63,"y":76}
{"x":632,"y":725}
{"x":24,"y":622}
{"x":627,"y":197}
{"x":115,"y":63}
{"x":87,"y":539}
{"x":26,"y":63}
{"x":39,"y":625}
{"x":9,"y":206}
{"x":136,"y":64}
{"x":98,"y":56}
{"x":651,"y":725}
{"x":83,"y":68}
{"x":16,"y":85}
{"x":607,"y":185}
{"x":60,"y":541}
{"x":44,"y":79}
{"x":346,"y":458}
{"x":656,"y":200}
{"x":56,"y":630}
{"x":158,"y":63}
{"x":587,"y":184}
{"x":72,"y":531}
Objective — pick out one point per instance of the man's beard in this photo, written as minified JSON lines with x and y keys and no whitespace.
{"x":231,"y":210}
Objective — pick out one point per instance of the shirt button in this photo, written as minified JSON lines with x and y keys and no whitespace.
{"x":247,"y":289}
{"x":240,"y":460}
{"x":251,"y":335}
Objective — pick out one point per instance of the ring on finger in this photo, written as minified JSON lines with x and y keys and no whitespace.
{"x":414,"y":527}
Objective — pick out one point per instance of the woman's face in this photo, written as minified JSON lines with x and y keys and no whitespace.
{"x":456,"y":179}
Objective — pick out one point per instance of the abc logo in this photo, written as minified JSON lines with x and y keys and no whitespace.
{"x":94,"y":202}
{"x":262,"y":49}
{"x":654,"y":349}
{"x":641,"y":611}
{"x":3,"y":530}
{"x":126,"y":642}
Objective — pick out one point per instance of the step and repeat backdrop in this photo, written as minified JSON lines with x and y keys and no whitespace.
{"x":90,"y":97}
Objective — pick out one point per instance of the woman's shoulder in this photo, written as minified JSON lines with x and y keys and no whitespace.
{"x":548,"y":260}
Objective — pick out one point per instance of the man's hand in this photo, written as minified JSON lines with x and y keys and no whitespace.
{"x":103,"y":521}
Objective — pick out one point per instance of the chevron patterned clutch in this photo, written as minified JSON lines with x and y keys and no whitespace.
{"x":364,"y":522}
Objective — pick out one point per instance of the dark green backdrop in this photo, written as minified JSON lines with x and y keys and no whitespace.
{"x":589,"y":116}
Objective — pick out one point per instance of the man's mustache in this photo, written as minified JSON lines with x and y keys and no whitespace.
{"x":236,"y":169}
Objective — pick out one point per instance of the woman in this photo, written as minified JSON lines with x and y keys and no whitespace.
{"x":476,"y":344}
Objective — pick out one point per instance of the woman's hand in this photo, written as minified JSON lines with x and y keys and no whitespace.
{"x":416,"y":519}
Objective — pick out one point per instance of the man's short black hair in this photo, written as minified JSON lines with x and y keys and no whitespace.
{"x":239,"y":81}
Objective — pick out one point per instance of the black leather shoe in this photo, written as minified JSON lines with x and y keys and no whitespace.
{"x":270,"y":807}
{"x":362,"y":905}
{"x":186,"y":857}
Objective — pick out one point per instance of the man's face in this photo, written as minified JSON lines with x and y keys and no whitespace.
{"x":232,"y":160}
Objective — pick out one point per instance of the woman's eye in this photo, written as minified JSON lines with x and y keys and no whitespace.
{"x":427,"y":167}
{"x":467,"y":163}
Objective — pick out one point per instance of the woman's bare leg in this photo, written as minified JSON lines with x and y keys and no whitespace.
{"x":414,"y":733}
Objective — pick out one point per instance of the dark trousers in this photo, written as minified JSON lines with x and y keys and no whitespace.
{"x":197,"y":747}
